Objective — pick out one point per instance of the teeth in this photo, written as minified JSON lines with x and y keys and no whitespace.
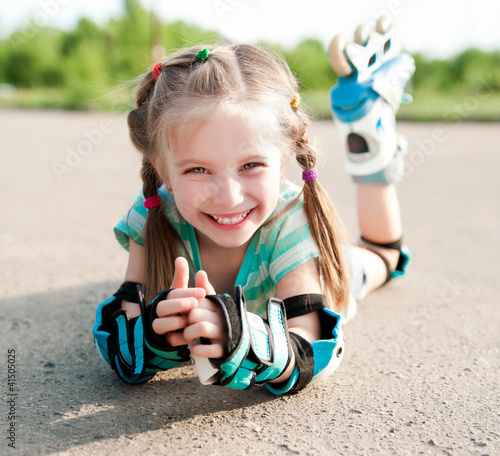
{"x":230,"y":221}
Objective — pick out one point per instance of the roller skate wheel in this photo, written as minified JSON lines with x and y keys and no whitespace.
{"x":383,"y":24}
{"x":362,"y":33}
{"x":337,"y":58}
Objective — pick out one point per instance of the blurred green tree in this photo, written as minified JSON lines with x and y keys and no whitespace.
{"x":309,"y":63}
{"x":90,"y":60}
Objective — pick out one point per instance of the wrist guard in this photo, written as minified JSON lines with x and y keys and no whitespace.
{"x":259,"y":350}
{"x":129,"y":345}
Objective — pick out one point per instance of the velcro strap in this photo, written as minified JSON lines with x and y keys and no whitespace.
{"x":303,"y":371}
{"x":129,"y":291}
{"x":233,"y":311}
{"x":299,"y":305}
{"x":317,"y":360}
{"x":150,"y":315}
{"x":304,"y":360}
{"x":258,"y":350}
{"x":237,"y":341}
{"x":126,"y":348}
{"x":114,"y":334}
{"x":273,"y":350}
{"x":166,"y":356}
{"x":396,"y":245}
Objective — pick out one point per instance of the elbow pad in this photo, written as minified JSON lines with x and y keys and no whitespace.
{"x":317,"y":360}
{"x":259,"y":350}
{"x":129,"y":345}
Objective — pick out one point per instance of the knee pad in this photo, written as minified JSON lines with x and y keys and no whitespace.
{"x":403,"y":261}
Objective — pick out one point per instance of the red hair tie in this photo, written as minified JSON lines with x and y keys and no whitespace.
{"x":152,"y":201}
{"x":157,"y":70}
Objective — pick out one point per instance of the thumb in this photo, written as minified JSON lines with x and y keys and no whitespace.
{"x":202,"y":281}
{"x":181,"y":274}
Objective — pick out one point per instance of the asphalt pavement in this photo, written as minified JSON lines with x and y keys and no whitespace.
{"x":421,"y":370}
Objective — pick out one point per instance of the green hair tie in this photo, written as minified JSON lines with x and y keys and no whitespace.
{"x":202,"y":55}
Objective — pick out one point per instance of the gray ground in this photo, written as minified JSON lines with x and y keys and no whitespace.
{"x":421,"y":370}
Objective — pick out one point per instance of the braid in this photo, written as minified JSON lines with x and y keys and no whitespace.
{"x":160,"y":240}
{"x":138,"y":118}
{"x":325,"y":227}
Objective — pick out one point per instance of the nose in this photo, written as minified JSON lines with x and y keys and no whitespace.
{"x":229,"y":193}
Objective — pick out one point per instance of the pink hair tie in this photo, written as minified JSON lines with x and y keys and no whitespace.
{"x":152,"y":201}
{"x":157,"y":70}
{"x":310,"y":174}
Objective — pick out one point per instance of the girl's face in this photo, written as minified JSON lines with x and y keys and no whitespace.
{"x":225,"y":178}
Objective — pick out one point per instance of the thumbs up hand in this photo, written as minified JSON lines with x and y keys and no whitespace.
{"x":173,"y":311}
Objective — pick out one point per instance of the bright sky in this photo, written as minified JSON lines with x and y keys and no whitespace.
{"x":438,"y":28}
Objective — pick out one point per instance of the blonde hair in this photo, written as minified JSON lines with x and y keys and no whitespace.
{"x":230,"y":82}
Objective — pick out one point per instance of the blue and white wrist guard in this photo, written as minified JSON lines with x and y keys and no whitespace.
{"x":130,"y":346}
{"x":364,"y":105}
{"x":259,"y":350}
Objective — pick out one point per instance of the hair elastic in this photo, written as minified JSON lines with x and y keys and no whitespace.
{"x":296,"y":101}
{"x":202,"y":55}
{"x":157,"y":70}
{"x":310,"y":174}
{"x":152,"y":201}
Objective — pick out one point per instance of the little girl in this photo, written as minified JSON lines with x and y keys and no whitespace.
{"x":230,"y":264}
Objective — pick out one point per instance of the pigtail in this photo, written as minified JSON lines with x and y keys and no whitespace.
{"x":326,"y":228}
{"x":161,"y":240}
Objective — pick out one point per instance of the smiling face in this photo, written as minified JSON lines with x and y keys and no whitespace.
{"x":225,"y":177}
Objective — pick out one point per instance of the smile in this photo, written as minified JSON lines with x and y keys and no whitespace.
{"x":230,"y":220}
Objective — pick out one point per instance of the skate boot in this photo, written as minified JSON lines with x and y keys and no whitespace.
{"x":372,"y":75}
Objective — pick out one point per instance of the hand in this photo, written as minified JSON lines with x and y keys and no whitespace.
{"x":173,"y":311}
{"x":206,"y":320}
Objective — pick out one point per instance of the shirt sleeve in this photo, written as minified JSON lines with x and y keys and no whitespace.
{"x":131,"y":225}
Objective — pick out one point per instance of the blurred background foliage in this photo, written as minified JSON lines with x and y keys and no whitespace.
{"x":91,"y":66}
